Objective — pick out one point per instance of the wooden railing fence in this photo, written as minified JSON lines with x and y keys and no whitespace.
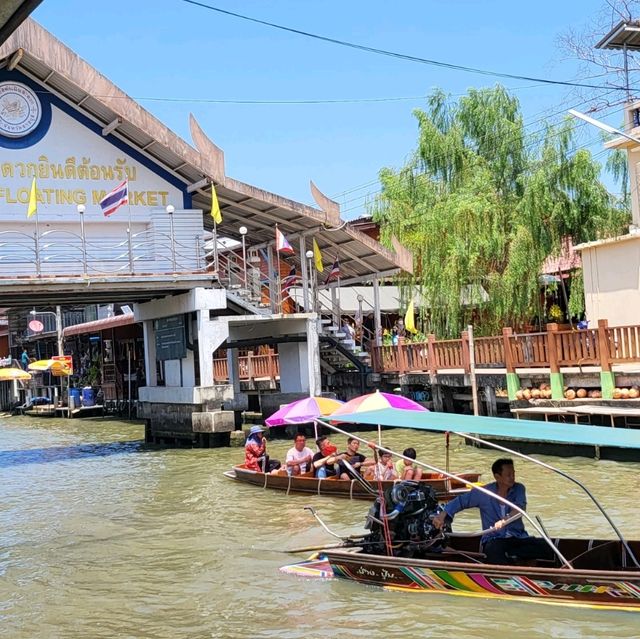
{"x":553,"y":348}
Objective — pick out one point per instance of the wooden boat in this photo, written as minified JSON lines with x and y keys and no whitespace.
{"x":601,"y":576}
{"x":593,"y":573}
{"x":353,"y":489}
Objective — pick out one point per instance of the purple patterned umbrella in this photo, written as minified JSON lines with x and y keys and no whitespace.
{"x":303,"y":411}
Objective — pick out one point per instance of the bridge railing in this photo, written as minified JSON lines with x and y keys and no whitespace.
{"x":61,"y":251}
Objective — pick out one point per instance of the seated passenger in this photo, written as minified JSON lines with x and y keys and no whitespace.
{"x":383,"y":469}
{"x":506,"y":543}
{"x":408,"y":470}
{"x":255,"y":452}
{"x":354,"y":458}
{"x":299,"y":457}
{"x":325,"y":458}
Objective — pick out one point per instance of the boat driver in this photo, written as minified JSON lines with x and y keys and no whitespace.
{"x":506,"y":543}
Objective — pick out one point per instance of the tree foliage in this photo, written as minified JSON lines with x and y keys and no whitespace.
{"x":481,"y":206}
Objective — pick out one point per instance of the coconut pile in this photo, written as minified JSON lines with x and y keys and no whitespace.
{"x":544,"y":392}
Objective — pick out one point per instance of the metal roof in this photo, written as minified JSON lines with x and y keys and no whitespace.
{"x":36,"y":53}
{"x":99,"y":325}
{"x":623,"y":35}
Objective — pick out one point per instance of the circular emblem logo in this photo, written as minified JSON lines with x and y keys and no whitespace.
{"x":20,"y":109}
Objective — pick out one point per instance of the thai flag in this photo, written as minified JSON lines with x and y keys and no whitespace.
{"x":113,"y":200}
{"x":334,"y":273}
{"x":282,"y":246}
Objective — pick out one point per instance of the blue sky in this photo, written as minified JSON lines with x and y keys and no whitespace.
{"x":173,"y":50}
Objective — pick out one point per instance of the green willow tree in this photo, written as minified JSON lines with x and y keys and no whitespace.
{"x":481,"y":205}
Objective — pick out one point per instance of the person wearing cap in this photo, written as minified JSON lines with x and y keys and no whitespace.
{"x":255,"y":452}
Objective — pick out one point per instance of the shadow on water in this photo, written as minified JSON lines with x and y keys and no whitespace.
{"x":66,"y":453}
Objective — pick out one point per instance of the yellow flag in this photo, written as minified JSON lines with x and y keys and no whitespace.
{"x":317,"y":257}
{"x":409,"y":321}
{"x":215,"y":207}
{"x":32,"y":209}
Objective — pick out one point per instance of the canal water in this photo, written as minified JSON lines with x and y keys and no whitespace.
{"x":103,"y":537}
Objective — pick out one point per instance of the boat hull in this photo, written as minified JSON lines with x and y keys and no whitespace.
{"x":343,"y":487}
{"x":618,"y":590}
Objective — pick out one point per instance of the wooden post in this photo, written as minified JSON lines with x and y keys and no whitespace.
{"x":472,"y":367}
{"x":402,"y":359}
{"x":513,"y":383}
{"x":607,"y":377}
{"x":431,"y":355}
{"x":557,"y":390}
{"x":466,"y":355}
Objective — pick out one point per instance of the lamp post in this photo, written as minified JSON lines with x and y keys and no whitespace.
{"x":243,"y":232}
{"x":58,"y":316}
{"x":170,"y":211}
{"x":312,"y":277}
{"x":602,"y":125}
{"x":81,"y":209}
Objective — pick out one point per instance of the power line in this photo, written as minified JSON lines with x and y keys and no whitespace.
{"x":575,"y":148}
{"x":531,"y":135}
{"x":393,"y":54}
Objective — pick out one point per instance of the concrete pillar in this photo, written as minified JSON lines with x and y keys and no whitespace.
{"x":306,"y":299}
{"x":313,"y":360}
{"x":490,"y":401}
{"x":377,"y":321}
{"x":233,"y":370}
{"x":294,"y":372}
{"x":205,"y":350}
{"x":150,"y":353}
{"x":438,"y":398}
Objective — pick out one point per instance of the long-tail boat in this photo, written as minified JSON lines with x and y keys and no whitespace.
{"x":445,"y":488}
{"x":403,"y":550}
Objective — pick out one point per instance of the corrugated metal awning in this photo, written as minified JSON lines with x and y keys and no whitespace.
{"x":99,"y":325}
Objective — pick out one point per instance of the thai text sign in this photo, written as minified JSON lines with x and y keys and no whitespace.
{"x":171,"y":342}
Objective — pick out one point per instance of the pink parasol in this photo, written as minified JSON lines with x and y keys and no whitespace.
{"x":303,"y":411}
{"x":377,"y":401}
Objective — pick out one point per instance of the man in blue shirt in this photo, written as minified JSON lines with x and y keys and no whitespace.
{"x":506,"y":543}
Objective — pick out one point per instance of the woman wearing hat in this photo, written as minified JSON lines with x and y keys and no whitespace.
{"x":255,"y":452}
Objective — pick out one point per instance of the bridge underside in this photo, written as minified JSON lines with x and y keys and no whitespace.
{"x":69,"y":290}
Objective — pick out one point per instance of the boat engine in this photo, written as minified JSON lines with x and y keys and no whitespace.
{"x":408,"y":509}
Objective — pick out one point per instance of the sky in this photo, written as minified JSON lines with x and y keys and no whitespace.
{"x":174,"y":57}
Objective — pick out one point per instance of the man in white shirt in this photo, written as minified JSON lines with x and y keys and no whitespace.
{"x":299,"y":457}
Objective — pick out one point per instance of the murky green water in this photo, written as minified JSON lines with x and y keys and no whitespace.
{"x":100,"y":537}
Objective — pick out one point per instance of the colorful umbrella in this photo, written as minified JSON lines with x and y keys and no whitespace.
{"x":7,"y":374}
{"x":377,"y":401}
{"x":303,"y":411}
{"x":55,"y":366}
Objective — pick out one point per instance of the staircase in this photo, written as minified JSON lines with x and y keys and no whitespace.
{"x":339,"y":351}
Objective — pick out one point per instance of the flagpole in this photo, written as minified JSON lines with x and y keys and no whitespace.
{"x":215,"y":246}
{"x":129,"y":233}
{"x":37,"y":246}
{"x":277,"y":274}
